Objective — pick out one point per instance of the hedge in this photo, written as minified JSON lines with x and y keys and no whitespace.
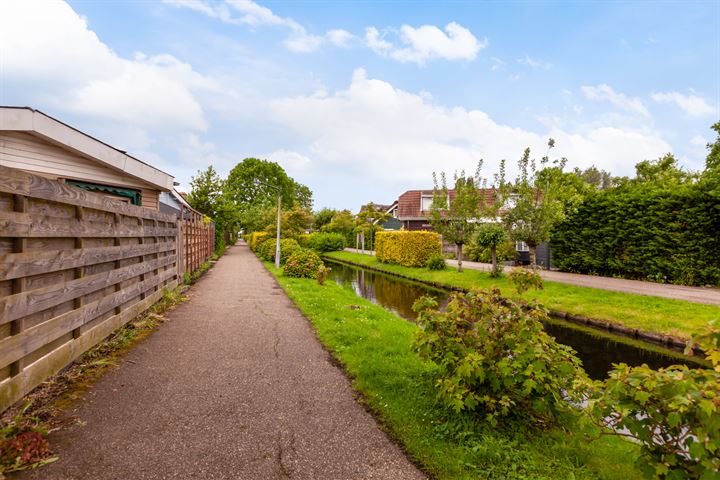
{"x":266,"y":249}
{"x":643,"y":233}
{"x":325,"y":242}
{"x":256,"y":238}
{"x":410,"y":249}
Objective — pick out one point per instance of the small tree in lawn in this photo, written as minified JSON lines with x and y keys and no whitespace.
{"x":368,"y":220}
{"x":539,"y":199}
{"x":491,"y":235}
{"x":455,"y":218}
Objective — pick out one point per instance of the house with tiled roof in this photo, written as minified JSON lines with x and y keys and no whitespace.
{"x":413,"y":207}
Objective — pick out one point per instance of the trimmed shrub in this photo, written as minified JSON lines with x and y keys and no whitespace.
{"x":325,"y":242}
{"x":255,"y":239}
{"x":436,"y":262}
{"x":644,"y":233}
{"x":304,"y":263}
{"x":288,"y":246}
{"x":495,"y":359}
{"x":410,"y":249}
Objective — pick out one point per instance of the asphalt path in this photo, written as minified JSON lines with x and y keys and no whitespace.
{"x":234,"y":386}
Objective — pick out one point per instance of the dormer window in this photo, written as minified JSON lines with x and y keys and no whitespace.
{"x":426,"y":203}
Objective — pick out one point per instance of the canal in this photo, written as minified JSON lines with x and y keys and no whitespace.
{"x":598,"y":350}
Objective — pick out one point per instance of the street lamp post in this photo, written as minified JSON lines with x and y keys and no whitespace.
{"x":277,"y":238}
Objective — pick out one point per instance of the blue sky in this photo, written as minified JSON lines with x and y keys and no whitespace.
{"x":364,"y":100}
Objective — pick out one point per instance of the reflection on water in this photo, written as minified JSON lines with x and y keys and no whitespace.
{"x":598,"y":351}
{"x":395,"y":294}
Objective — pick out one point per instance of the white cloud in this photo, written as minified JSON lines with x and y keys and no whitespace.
{"x":340,"y":38}
{"x":534,"y":63}
{"x":699,"y":141}
{"x":375,"y":42}
{"x":291,"y":161}
{"x":247,"y":12}
{"x":384,"y":134}
{"x":693,"y":105}
{"x":86,"y":77}
{"x":428,"y":42}
{"x":605,"y":93}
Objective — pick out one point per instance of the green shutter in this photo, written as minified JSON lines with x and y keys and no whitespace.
{"x":134,"y":195}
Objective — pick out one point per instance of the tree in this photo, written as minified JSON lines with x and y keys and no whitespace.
{"x":342,"y":222}
{"x":250,"y":185}
{"x":663,"y":172}
{"x":600,"y":179}
{"x":293,"y":222}
{"x":322,"y":217}
{"x":539,"y":199}
{"x":491,"y":235}
{"x":713,"y":159}
{"x":207,"y":197}
{"x":455,"y":216}
{"x":368,"y":220}
{"x":206,"y":190}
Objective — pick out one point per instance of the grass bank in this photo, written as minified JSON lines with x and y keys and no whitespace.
{"x":375,"y":347}
{"x":653,"y":314}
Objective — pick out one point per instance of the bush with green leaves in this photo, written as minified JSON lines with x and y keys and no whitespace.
{"x":325,"y":242}
{"x":673,"y":413}
{"x":266,"y":250}
{"x":436,"y":262}
{"x":476,"y":253}
{"x":304,"y":263}
{"x":523,"y":279}
{"x":495,"y":359}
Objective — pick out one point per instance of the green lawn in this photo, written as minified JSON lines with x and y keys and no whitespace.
{"x":653,"y":314}
{"x":375,"y":347}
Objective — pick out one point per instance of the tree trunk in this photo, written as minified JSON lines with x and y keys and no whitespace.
{"x":493,"y":256}
{"x":458,"y":254}
{"x":533,"y":255}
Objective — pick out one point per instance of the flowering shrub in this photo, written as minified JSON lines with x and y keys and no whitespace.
{"x":496,"y":360}
{"x":410,"y":249}
{"x":303,"y":263}
{"x":674,"y":413}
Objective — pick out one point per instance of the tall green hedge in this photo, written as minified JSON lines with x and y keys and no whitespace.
{"x":666,"y":235}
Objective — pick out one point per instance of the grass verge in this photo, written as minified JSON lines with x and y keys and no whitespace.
{"x":653,"y":314}
{"x":374,"y":346}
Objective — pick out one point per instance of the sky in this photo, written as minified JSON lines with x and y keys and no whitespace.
{"x":361,"y":101}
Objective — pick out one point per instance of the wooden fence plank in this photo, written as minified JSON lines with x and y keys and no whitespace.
{"x":14,"y":224}
{"x":15,"y":347}
{"x":16,"y":265}
{"x":14,"y":388}
{"x":27,"y":303}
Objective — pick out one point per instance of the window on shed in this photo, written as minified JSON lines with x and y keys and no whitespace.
{"x":128,"y":195}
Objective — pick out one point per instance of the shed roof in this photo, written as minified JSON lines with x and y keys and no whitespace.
{"x":37,"y":123}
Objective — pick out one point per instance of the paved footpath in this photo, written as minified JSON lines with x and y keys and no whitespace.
{"x":710,"y":296}
{"x":234,"y":386}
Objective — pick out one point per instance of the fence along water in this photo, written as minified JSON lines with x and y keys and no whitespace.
{"x":74,"y":267}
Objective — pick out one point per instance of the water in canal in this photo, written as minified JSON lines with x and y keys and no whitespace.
{"x":597,"y":350}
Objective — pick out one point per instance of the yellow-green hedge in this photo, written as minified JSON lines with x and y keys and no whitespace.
{"x":410,"y":249}
{"x":256,"y":238}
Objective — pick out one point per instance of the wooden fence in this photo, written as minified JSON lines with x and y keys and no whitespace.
{"x":198,"y":239}
{"x":74,"y":267}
